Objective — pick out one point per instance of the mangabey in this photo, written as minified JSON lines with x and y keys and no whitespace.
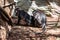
{"x":37,"y":15}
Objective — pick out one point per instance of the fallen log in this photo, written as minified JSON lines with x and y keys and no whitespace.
{"x":48,"y":32}
{"x":53,"y":32}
